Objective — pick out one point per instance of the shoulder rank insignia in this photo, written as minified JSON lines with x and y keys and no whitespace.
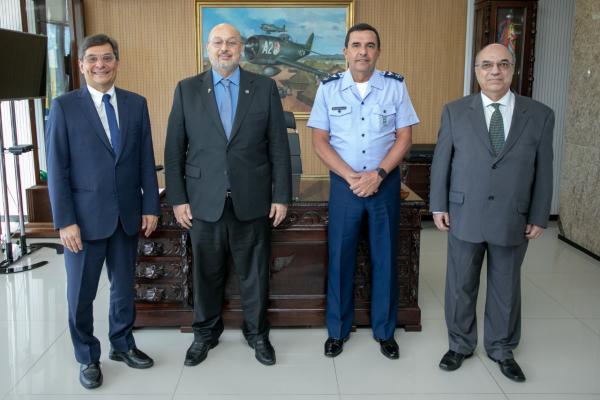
{"x":393,"y":75}
{"x":332,"y":77}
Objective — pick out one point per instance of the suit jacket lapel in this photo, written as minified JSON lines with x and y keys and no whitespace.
{"x":244,"y":101}
{"x":122,"y":103}
{"x":209,"y":101}
{"x":517,"y":125}
{"x":90,"y":112}
{"x":477,"y":118}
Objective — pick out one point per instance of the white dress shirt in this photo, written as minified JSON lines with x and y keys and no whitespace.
{"x":97,"y":99}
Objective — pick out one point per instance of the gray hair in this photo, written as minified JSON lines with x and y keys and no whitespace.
{"x":98,"y":40}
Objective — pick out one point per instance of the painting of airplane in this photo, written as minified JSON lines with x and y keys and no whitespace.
{"x":272,"y":28}
{"x":297,"y":45}
{"x":271,"y":51}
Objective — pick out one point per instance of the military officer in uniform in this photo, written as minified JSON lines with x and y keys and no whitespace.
{"x":361,"y":122}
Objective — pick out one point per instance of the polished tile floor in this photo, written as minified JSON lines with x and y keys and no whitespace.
{"x":559,"y":352}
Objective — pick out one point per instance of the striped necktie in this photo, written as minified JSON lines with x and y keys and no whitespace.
{"x":496,"y":129}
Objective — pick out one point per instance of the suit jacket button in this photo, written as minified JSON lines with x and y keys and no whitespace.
{"x":494,"y":166}
{"x":490,"y":197}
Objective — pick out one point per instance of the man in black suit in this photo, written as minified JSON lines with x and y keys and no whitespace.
{"x":227,"y":167}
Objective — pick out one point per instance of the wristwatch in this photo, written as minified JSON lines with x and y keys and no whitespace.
{"x":381,"y":172}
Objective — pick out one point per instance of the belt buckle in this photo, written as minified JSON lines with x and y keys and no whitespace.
{"x":228,"y":194}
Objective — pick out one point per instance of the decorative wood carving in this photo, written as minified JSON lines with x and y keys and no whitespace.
{"x":298,"y":272}
{"x":158,"y":270}
{"x":161,"y":247}
{"x":309,"y":218}
{"x":159,"y":293}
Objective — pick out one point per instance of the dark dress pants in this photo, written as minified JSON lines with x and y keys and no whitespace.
{"x":346,"y":214}
{"x":83,"y":274}
{"x":249,"y":244}
{"x":502,"y":321}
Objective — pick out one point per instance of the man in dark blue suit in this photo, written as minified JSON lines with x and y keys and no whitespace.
{"x":103,"y":188}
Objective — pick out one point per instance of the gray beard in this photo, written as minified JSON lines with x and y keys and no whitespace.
{"x":224,"y":66}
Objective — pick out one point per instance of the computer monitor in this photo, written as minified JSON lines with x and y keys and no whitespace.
{"x":23,"y":69}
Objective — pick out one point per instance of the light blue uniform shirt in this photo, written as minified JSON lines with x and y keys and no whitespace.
{"x":362,"y":130}
{"x":220,"y":89}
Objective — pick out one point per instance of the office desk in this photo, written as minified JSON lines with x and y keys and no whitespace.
{"x":298,"y":273}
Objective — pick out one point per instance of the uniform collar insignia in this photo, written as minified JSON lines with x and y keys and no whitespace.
{"x":332,"y":77}
{"x":393,"y":75}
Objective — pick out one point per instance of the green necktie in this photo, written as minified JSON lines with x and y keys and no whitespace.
{"x":497,"y":129}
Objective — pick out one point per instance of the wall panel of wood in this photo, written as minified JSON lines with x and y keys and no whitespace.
{"x":422,"y":40}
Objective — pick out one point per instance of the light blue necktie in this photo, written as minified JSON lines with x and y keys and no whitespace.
{"x":497,"y":129}
{"x":227,"y":108}
{"x":111,"y":116}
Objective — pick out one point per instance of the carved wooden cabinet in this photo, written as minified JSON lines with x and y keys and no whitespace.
{"x":163,"y":275}
{"x":512,"y":23}
{"x":416,"y":170}
{"x":298,"y":273}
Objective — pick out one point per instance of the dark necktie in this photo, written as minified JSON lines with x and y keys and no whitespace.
{"x":226,"y":108}
{"x":113,"y":127}
{"x":497,"y":129}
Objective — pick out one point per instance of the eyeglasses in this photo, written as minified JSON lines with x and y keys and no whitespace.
{"x":488,"y":66}
{"x":218,"y":43}
{"x":93,"y":59}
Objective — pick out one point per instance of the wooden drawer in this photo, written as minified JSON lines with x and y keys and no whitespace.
{"x":172,"y":292}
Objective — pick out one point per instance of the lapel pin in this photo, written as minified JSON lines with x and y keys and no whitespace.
{"x":209,"y":89}
{"x":247,"y":91}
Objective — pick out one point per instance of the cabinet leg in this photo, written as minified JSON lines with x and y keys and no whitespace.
{"x":413,"y":328}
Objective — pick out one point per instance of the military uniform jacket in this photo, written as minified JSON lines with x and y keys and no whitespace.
{"x":362,"y":130}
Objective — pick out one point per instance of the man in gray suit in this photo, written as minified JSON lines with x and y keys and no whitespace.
{"x":227,"y":168}
{"x":491,"y":188}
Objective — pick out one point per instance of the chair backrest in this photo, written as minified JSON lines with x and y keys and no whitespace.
{"x":290,"y":121}
{"x":294,"y":141}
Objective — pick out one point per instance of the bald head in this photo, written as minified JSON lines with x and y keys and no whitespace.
{"x":224,"y":48}
{"x":224,"y":30}
{"x":495,"y":47}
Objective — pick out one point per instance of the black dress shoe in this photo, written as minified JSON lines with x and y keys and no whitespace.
{"x":90,"y":375}
{"x":197,"y":352}
{"x":134,"y":358}
{"x":453,"y":360}
{"x":263,"y":351}
{"x":334,"y":347}
{"x":510,"y":369}
{"x":389,"y":348}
